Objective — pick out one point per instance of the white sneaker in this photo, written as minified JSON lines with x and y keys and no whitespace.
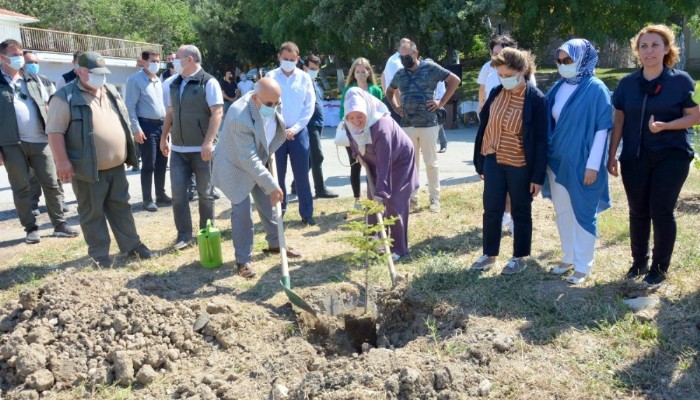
{"x":434,"y":205}
{"x":395,"y":257}
{"x":483,"y":263}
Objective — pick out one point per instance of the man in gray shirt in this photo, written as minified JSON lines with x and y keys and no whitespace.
{"x":24,"y":144}
{"x":144,"y":101}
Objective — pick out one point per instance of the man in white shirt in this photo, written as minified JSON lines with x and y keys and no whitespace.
{"x":393,"y":64}
{"x":298,"y":102}
{"x":195,"y":109}
{"x":245,"y":85}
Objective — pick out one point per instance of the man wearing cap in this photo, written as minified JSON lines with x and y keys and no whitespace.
{"x":23,"y":142}
{"x":89,"y":134}
{"x":192,"y":119}
{"x":144,"y":101}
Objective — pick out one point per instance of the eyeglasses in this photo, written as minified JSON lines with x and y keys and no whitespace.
{"x":271,"y":104}
{"x":565,"y":61}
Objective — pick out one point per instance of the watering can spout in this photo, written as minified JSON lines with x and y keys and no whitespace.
{"x":209,"y":243}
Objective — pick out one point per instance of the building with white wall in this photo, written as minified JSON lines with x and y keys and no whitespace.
{"x":55,"y":49}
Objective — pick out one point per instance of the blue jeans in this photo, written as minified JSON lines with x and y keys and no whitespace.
{"x":182,"y":165}
{"x":153,"y":162}
{"x":298,"y":152}
{"x":500,"y":180}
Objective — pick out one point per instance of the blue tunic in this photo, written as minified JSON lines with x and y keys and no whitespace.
{"x":570,"y":141}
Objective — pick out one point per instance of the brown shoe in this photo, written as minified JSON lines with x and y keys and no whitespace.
{"x":291,"y":253}
{"x":246,"y":270}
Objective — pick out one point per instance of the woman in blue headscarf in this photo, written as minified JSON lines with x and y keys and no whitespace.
{"x":580,"y":117}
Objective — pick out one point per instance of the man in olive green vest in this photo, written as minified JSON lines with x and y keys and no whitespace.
{"x":90,"y":136}
{"x":23,"y":142}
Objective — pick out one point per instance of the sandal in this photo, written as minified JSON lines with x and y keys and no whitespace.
{"x":246,"y":270}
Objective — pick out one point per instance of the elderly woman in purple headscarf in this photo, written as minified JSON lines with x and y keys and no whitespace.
{"x":580,"y":117}
{"x":388,"y":153}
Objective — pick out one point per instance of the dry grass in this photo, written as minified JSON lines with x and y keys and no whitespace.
{"x":573,"y":343}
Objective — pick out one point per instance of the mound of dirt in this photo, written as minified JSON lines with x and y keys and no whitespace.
{"x":84,"y":330}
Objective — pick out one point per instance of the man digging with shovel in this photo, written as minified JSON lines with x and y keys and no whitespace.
{"x":252,"y":130}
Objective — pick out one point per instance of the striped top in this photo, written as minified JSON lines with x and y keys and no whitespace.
{"x":504,"y":131}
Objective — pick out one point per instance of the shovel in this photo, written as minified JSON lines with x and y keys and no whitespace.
{"x":286,"y":281}
{"x":380,"y":220}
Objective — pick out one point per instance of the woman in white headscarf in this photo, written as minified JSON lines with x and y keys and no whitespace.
{"x":389,"y":156}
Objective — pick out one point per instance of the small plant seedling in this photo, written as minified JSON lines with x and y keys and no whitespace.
{"x":365,"y":238}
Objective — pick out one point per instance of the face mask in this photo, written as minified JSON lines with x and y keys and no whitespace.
{"x":510,"y":82}
{"x":313,"y":74}
{"x":96,"y":81}
{"x":16,"y":62}
{"x":288,"y":66}
{"x":567,"y":70}
{"x":170,"y":65}
{"x":407,"y":61}
{"x":361,"y":75}
{"x":244,"y":78}
{"x":153,"y":67}
{"x":265,"y":111}
{"x":33,"y":68}
{"x":177,"y":65}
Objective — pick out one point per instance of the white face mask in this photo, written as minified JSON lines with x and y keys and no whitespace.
{"x":288,"y":66}
{"x":96,"y":81}
{"x":177,"y":64}
{"x":153,"y":67}
{"x":312,"y":73}
{"x":510,"y":82}
{"x":567,"y":70}
{"x":16,"y":62}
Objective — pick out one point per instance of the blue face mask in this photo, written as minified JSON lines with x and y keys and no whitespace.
{"x":266,"y":111}
{"x":32,"y":68}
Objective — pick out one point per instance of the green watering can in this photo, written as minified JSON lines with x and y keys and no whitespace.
{"x":209,"y":242}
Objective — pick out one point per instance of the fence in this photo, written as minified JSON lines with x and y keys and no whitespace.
{"x":67,"y":42}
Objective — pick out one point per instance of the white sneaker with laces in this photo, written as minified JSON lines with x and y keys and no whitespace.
{"x":483,"y":263}
{"x":434,"y":205}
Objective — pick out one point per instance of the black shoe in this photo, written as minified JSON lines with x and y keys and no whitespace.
{"x":293,"y":190}
{"x":65,"y":231}
{"x":655,"y":277}
{"x":164,"y":200}
{"x":637,"y":269}
{"x":442,"y":149}
{"x":150,"y":206}
{"x":141,"y":251}
{"x":326,"y":194}
{"x":308,"y":221}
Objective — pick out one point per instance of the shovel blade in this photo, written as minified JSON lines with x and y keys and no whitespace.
{"x":297,"y":300}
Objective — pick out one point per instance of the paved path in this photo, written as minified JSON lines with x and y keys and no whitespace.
{"x":455,"y":167}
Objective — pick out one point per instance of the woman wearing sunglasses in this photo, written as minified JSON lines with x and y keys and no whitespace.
{"x":580,"y":116}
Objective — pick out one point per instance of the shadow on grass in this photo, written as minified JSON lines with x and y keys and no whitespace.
{"x":464,"y":242}
{"x":547,"y":304}
{"x":671,"y":369}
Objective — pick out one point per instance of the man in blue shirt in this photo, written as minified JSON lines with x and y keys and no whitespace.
{"x":144,"y":101}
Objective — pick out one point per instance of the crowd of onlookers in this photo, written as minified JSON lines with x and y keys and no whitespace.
{"x":237,"y":135}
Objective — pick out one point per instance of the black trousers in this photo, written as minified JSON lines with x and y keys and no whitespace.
{"x":652,"y":184}
{"x":355,"y":172}
{"x":316,"y":157}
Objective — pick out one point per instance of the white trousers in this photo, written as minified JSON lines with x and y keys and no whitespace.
{"x":577,"y":244}
{"x":424,"y":142}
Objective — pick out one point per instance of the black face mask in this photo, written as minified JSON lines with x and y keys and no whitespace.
{"x":171,"y":66}
{"x":407,"y":61}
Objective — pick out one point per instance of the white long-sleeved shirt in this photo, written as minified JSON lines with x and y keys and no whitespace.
{"x":298,"y":97}
{"x":596,"y":154}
